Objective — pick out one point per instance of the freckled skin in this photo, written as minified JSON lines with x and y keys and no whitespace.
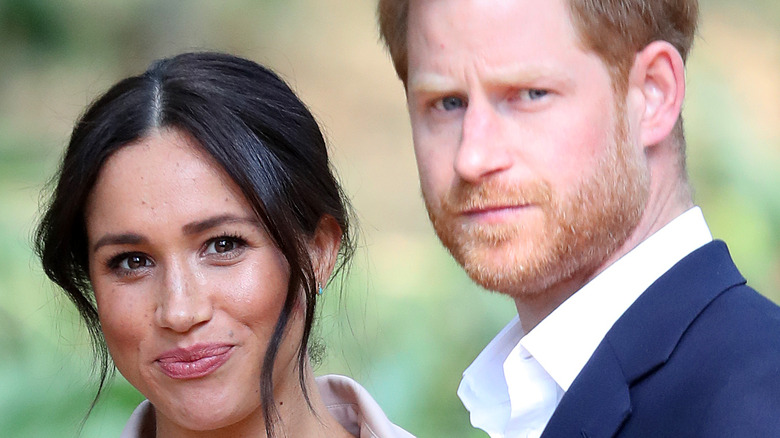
{"x":187,"y":295}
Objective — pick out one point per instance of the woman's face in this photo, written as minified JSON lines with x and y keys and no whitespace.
{"x":188,"y":284}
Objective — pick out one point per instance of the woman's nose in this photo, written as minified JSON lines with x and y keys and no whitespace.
{"x":184,"y":302}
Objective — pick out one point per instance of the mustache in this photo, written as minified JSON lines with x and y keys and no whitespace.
{"x":464,"y":197}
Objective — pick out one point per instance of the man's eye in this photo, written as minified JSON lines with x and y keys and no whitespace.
{"x":535,"y":93}
{"x":450,"y":103}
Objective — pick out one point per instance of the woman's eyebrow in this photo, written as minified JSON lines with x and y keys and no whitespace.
{"x":188,"y":229}
{"x":206,"y":224}
{"x":118,"y":239}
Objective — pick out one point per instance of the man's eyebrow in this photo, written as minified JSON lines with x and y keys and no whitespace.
{"x":434,"y":83}
{"x":511,"y":76}
{"x":531,"y":75}
{"x":430,"y":83}
{"x":206,"y":224}
{"x":118,"y":239}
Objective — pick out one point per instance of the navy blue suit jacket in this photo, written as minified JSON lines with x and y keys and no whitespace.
{"x":697,"y":355}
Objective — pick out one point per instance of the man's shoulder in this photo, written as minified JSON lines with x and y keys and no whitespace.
{"x":721,"y":379}
{"x":736,"y":312}
{"x":697,"y":354}
{"x":740,"y":325}
{"x":722,"y":310}
{"x":743,"y":305}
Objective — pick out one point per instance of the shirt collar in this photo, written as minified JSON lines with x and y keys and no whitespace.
{"x":483,"y":389}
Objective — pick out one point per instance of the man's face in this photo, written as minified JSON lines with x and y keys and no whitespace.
{"x":528,"y":165}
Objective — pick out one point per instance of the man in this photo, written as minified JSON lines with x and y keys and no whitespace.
{"x":552,"y":163}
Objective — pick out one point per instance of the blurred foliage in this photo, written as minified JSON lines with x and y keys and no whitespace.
{"x":407,"y":320}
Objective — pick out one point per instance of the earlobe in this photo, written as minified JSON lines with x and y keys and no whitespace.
{"x":658,"y":75}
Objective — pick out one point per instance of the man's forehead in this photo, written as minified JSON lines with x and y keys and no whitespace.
{"x":475,"y":11}
{"x":479,"y":22}
{"x":452,"y":39}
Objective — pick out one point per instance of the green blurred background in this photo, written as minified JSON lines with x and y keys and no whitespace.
{"x":409,"y":321}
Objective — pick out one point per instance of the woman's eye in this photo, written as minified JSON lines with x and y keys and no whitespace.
{"x":450,"y":103}
{"x":134,"y":262}
{"x":130,"y":262}
{"x":222,"y":245}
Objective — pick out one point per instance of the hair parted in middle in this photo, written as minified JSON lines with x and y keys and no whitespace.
{"x":255,"y":128}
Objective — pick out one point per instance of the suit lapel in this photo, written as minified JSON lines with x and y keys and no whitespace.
{"x":644,"y":337}
{"x":597,"y":403}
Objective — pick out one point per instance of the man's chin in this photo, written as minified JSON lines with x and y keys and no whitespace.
{"x":512,"y":288}
{"x":493,"y":270}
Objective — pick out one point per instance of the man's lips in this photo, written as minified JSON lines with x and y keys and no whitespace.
{"x":495,"y":213}
{"x":193,"y":362}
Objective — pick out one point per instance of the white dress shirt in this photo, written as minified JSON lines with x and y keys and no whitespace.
{"x":513,"y":387}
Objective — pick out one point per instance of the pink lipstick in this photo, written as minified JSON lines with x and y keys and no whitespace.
{"x":193,"y":362}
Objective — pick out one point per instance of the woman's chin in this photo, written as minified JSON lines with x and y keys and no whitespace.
{"x":201,"y":417}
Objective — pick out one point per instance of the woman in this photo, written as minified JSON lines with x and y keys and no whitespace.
{"x":194,"y":223}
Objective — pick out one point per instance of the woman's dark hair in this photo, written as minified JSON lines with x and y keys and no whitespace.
{"x":257,"y":130}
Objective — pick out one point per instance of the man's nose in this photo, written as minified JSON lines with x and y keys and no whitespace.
{"x":483,"y":149}
{"x":184,"y":302}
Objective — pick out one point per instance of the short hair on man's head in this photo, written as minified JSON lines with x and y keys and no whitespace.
{"x":393,"y":16}
{"x":614,"y":29}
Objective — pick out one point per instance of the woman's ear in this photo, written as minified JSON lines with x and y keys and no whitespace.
{"x":325,"y":248}
{"x":657,"y":87}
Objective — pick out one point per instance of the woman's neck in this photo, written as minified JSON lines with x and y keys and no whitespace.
{"x":295,"y":417}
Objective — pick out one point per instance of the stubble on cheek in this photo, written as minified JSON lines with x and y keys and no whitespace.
{"x":494,"y":252}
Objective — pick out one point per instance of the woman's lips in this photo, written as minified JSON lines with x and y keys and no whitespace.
{"x":193,"y":362}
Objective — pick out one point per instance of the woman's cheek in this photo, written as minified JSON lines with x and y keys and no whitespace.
{"x":258,"y":289}
{"x":124,"y":323}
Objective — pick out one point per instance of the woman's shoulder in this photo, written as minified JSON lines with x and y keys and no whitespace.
{"x":355,"y":409}
{"x":141,"y":423}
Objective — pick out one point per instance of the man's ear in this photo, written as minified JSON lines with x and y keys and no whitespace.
{"x":325,"y":248}
{"x":657,"y":80}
